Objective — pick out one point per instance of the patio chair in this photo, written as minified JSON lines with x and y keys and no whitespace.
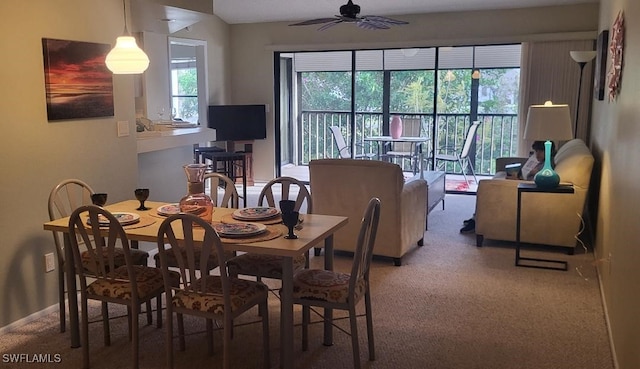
{"x":406,"y":150}
{"x":343,"y":148}
{"x":462,"y":156}
{"x":336,"y":290}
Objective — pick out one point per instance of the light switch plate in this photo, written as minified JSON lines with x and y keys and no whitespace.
{"x":123,"y":128}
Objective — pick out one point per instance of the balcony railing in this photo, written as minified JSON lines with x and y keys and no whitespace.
{"x":496,"y":137}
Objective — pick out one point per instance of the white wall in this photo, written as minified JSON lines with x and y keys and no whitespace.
{"x":35,"y":154}
{"x":616,"y":143}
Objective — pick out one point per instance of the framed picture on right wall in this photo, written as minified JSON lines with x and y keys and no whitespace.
{"x":601,"y":65}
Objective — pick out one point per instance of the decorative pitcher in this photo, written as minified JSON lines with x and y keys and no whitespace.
{"x":196,"y":202}
{"x":395,"y":128}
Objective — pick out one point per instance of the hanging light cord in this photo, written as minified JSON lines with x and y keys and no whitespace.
{"x":124,"y":7}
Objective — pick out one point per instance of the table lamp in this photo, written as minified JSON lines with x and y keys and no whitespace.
{"x":548,"y":122}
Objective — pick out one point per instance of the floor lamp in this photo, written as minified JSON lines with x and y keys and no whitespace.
{"x":582,"y":58}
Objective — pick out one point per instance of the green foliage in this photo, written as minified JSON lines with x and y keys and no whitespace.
{"x":187,"y":85}
{"x":412,"y":92}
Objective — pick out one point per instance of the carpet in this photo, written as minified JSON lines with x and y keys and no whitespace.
{"x":451,"y":305}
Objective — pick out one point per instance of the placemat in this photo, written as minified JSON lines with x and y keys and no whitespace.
{"x":273,"y":231}
{"x":145,"y":221}
{"x":155,"y":214}
{"x":228,"y":218}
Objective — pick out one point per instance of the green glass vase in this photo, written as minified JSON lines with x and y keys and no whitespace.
{"x":547,"y":178}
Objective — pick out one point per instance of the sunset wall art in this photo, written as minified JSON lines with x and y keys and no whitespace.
{"x":77,"y":81}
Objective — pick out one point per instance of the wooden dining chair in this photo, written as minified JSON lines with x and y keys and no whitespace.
{"x":219,"y":297}
{"x":102,"y":279}
{"x":270,"y":266}
{"x":222,"y":190}
{"x":336,"y":290}
{"x":64,"y":198}
{"x":227,"y":198}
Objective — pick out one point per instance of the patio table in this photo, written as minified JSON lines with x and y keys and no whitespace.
{"x":417,"y":141}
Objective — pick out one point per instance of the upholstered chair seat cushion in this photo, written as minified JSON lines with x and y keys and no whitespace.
{"x":325,"y":285}
{"x":242,"y":292}
{"x":138,"y":257}
{"x":267,"y":266}
{"x":148,"y":280}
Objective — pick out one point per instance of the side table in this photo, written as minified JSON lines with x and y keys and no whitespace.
{"x":532,"y":188}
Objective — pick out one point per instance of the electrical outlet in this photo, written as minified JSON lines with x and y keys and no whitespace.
{"x":49,"y":262}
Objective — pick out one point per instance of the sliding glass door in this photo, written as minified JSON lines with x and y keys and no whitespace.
{"x":437,"y":92}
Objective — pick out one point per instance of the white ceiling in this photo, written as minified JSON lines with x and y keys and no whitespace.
{"x":256,"y":11}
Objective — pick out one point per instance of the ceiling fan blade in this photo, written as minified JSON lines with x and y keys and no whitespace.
{"x":378,"y":18}
{"x":368,"y":24}
{"x":314,"y":21}
{"x":329,"y":25}
{"x":348,"y":19}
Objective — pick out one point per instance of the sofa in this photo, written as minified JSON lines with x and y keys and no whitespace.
{"x":546,"y":219}
{"x":345,"y":186}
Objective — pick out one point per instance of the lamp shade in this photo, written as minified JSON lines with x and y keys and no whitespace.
{"x":126,"y":57}
{"x":548,"y":122}
{"x":582,"y":56}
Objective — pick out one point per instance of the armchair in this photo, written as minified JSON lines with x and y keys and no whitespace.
{"x":345,"y":186}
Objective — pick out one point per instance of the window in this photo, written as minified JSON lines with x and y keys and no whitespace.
{"x":188,"y":80}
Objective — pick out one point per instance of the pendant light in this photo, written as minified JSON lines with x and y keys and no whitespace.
{"x":126,"y":57}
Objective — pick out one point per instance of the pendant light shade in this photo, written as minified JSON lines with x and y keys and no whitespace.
{"x":126,"y":57}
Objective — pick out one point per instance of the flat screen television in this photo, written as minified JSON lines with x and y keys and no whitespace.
{"x":238,"y":122}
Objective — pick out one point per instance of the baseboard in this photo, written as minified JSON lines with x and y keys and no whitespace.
{"x":28,"y":319}
{"x":607,"y":321}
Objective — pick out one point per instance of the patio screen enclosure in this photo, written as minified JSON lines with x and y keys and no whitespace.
{"x":437,"y":92}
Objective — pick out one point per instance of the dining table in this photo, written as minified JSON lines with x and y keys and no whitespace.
{"x":418,"y":141}
{"x":314,"y":231}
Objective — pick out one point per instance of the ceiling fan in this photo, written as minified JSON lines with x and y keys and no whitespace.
{"x":349,"y":14}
